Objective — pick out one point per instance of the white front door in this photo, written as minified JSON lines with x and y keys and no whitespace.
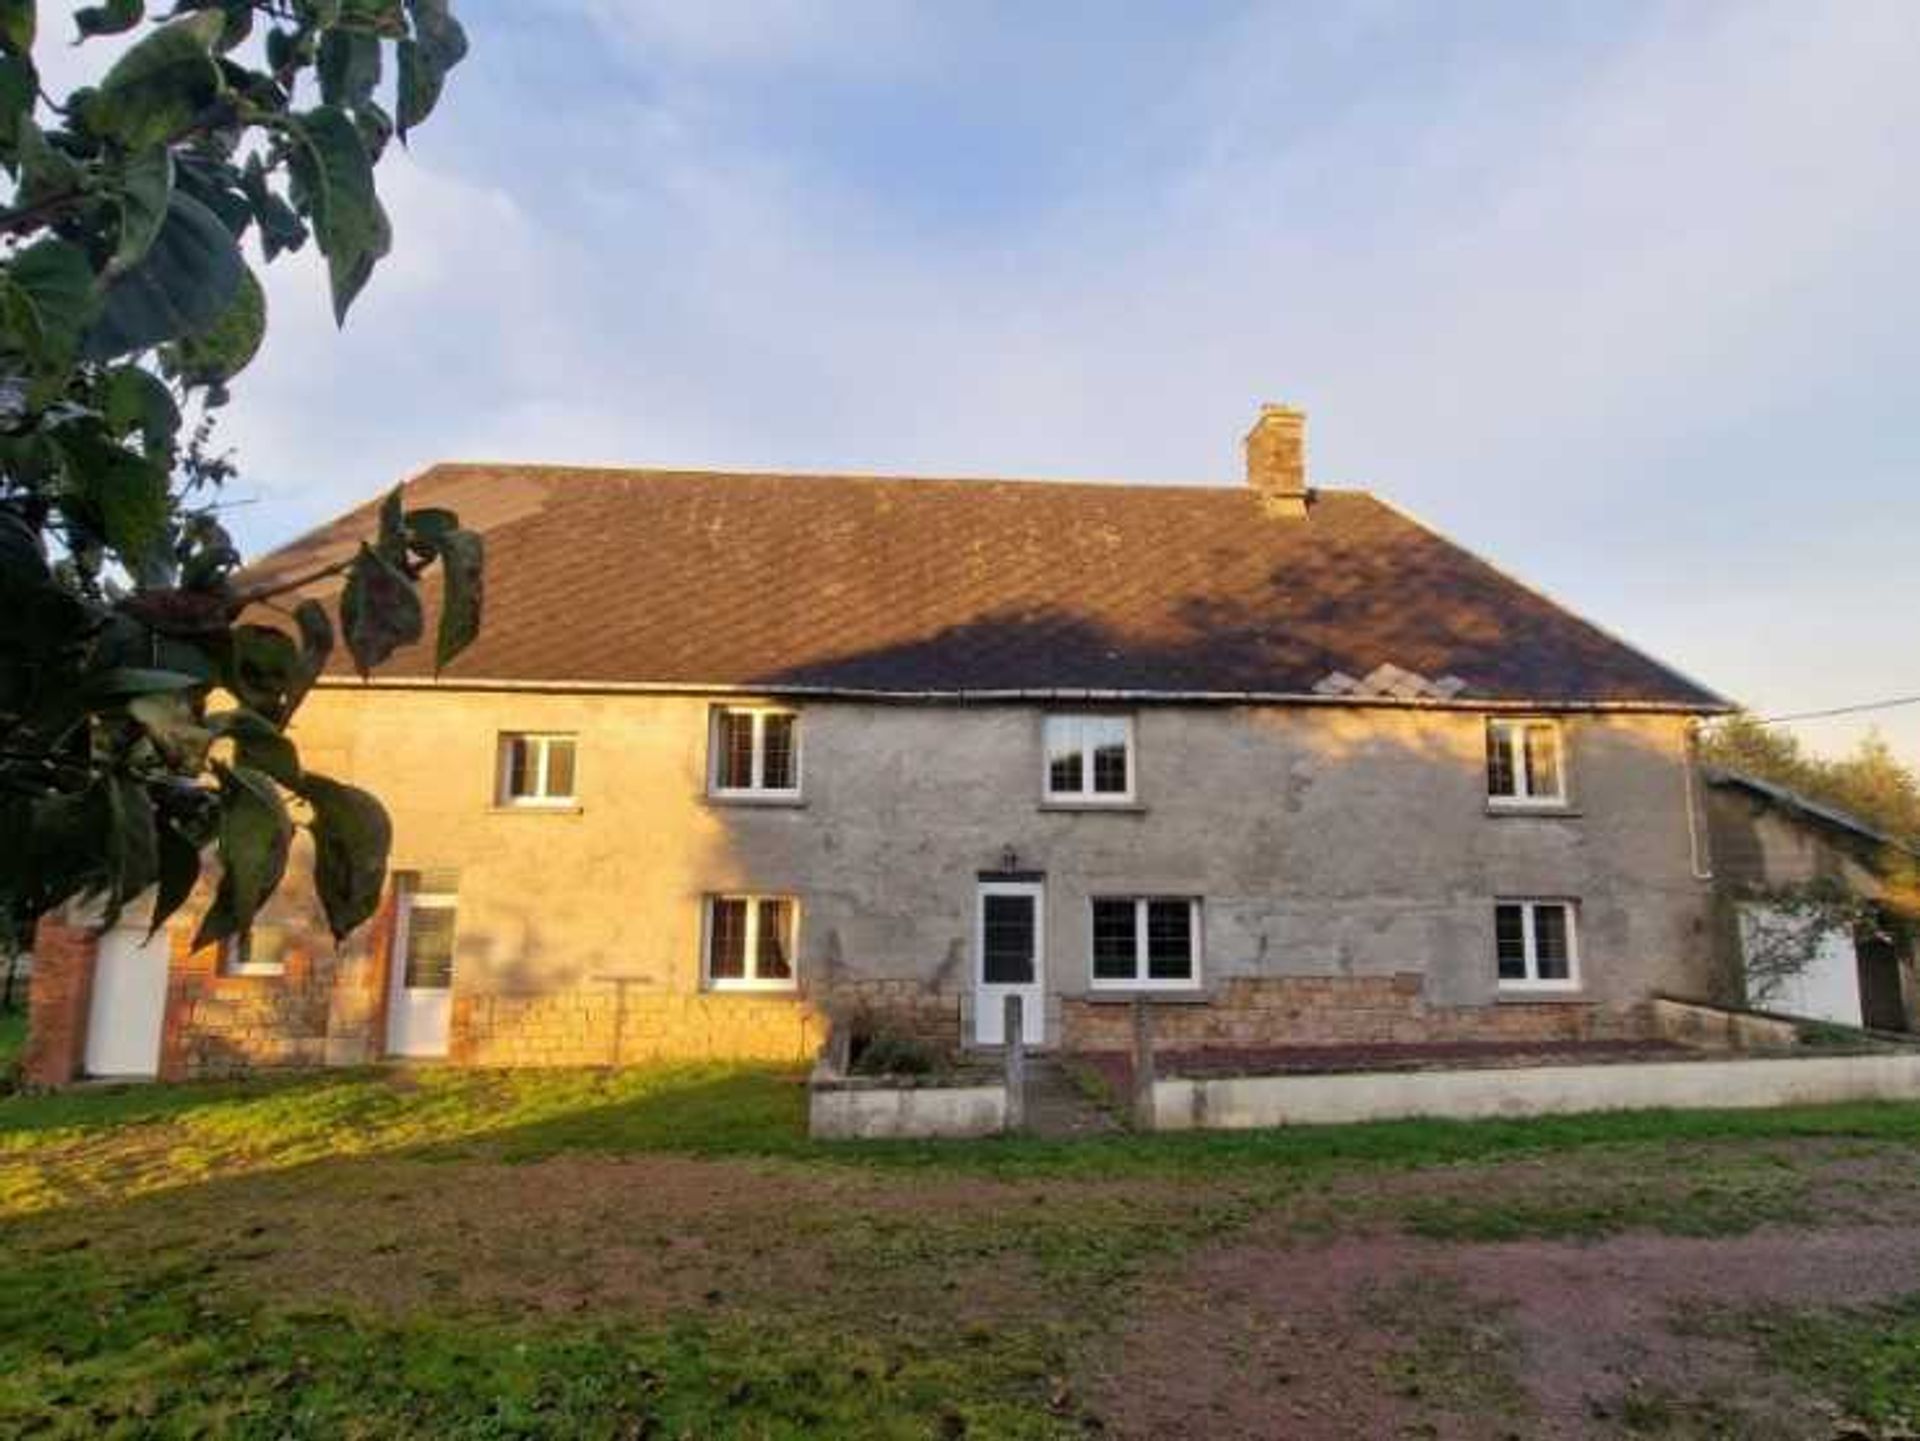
{"x":1009,"y":960}
{"x":129,"y":1004}
{"x":420,"y":985}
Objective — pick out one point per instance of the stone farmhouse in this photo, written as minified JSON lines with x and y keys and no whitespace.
{"x":736,"y":753}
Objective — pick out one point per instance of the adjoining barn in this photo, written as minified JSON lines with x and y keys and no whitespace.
{"x":1817,"y":909}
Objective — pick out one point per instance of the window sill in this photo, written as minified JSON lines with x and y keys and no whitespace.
{"x":1194,"y":995}
{"x":568,"y":808}
{"x":1509,"y":996}
{"x":749,"y":799}
{"x":1547,"y":810}
{"x":1125,"y":808}
{"x":256,"y":973}
{"x":769,"y":992}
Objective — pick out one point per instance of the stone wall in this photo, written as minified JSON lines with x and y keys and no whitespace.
{"x":59,"y":992}
{"x":596,"y":1027}
{"x":1339,"y":1011}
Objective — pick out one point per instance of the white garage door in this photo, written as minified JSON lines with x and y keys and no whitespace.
{"x":129,"y":1004}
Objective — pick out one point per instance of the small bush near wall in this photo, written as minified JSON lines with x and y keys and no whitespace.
{"x":890,"y":1053}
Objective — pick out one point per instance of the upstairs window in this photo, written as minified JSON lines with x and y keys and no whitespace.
{"x":1146,"y":942}
{"x":1089,"y":759}
{"x":750,"y":943}
{"x":536,"y":770}
{"x":1534,"y":946}
{"x":1525,"y":763}
{"x":756,"y":752}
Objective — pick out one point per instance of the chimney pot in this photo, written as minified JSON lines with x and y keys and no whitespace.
{"x":1277,"y":460}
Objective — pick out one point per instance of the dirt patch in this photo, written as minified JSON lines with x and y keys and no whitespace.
{"x":1385,"y":1337}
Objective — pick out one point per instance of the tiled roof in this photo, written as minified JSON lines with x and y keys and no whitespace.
{"x":852,"y":583}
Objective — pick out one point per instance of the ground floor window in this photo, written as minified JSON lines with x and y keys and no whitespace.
{"x":427,"y":932}
{"x":1143,"y":942}
{"x":1535,"y":946}
{"x":750,"y":942}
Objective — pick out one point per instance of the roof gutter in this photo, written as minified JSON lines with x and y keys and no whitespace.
{"x":1048,"y":695}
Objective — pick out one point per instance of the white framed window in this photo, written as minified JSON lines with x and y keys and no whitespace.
{"x":261,"y":951}
{"x":1526,"y":763}
{"x":536,"y":769}
{"x":750,"y":942}
{"x":1089,"y":759}
{"x":1535,"y":945}
{"x":1146,"y":942}
{"x":428,"y":919}
{"x":755,"y":752}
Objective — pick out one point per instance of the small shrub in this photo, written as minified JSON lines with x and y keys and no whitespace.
{"x":888,"y":1053}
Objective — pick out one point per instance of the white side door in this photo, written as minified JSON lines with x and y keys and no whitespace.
{"x":420,"y":975}
{"x":129,"y":1004}
{"x":1009,"y":959}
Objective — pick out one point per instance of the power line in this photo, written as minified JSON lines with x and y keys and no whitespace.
{"x":1894,"y":703}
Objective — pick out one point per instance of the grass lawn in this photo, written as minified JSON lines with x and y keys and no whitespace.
{"x":663,"y":1252}
{"x":13,"y":1039}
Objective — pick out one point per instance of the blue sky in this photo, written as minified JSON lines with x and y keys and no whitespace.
{"x":1623,"y":296}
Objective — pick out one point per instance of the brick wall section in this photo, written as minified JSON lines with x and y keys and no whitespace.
{"x":1338,"y":1010}
{"x":221,"y":1025}
{"x":60,"y":992}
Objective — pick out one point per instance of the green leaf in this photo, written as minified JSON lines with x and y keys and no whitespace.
{"x":112,"y":18}
{"x":46,"y":170}
{"x":349,"y":66}
{"x":123,"y":681}
{"x":185,"y":284}
{"x":132,"y":843}
{"x":179,"y":871}
{"x":462,"y":588}
{"x":17,"y":24}
{"x":254,"y":835}
{"x":155,"y":91}
{"x":132,"y":398}
{"x":123,"y":495}
{"x":146,"y":185}
{"x":57,"y":283}
{"x":316,"y":646}
{"x":438,"y":45}
{"x":19,"y":88}
{"x":168,"y":717}
{"x":334,"y":181}
{"x":266,"y":668}
{"x":258,"y":743}
{"x":379,"y":610}
{"x":392,"y":540}
{"x":280,"y":228}
{"x":351,"y":840}
{"x":215,"y":355}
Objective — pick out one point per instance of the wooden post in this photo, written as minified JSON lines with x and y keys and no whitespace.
{"x":1142,"y":1066}
{"x":1016,"y":1064}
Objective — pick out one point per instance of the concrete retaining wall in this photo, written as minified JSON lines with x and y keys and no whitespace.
{"x":851,"y":1110}
{"x":1249,"y":1101}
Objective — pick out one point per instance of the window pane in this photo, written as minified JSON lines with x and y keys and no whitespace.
{"x":429,"y":948}
{"x":777,"y":762}
{"x":1510,"y":943}
{"x":727,"y":940}
{"x":1552,"y":955}
{"x":772,"y":961}
{"x":1543,"y":761}
{"x":1007,"y":950}
{"x":520,"y":766}
{"x":1169,"y":940}
{"x":1114,"y":941}
{"x":559,"y":770}
{"x":735,"y":738}
{"x":1500,"y":760}
{"x":1066,"y":767}
{"x":1110,"y":765}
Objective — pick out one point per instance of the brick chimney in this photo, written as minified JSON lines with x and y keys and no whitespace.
{"x":1277,"y":460}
